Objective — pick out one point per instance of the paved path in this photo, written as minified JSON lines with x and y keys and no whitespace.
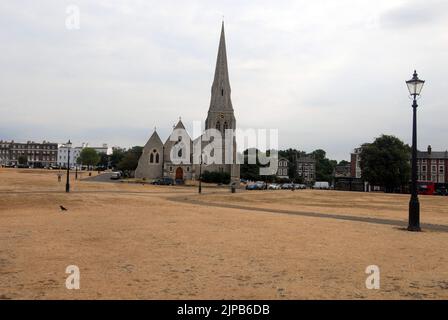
{"x":103,"y":177}
{"x":392,"y":222}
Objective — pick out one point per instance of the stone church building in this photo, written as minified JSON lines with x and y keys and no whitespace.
{"x":156,"y":160}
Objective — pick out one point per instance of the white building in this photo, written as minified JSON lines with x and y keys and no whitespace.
{"x":76,"y":151}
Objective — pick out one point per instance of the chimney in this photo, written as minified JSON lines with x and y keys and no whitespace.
{"x":429,"y":149}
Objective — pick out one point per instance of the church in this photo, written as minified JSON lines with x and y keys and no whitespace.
{"x":195,"y":156}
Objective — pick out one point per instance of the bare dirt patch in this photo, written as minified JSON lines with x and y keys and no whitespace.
{"x":134,"y":242}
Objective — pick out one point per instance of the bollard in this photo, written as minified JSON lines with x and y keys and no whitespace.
{"x":232,"y":188}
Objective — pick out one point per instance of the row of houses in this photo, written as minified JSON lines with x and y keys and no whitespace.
{"x":432,"y":166}
{"x":45,"y":154}
{"x":305,"y":166}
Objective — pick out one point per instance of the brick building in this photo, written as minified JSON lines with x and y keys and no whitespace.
{"x":355,"y":163}
{"x":283,"y":171}
{"x":37,"y":154}
{"x":5,"y":149}
{"x":432,"y":166}
{"x":306,"y":169}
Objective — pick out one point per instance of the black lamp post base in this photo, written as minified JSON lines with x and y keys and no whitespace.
{"x":414,"y":214}
{"x":414,"y":228}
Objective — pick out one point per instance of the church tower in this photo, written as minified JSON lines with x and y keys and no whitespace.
{"x":220,"y":113}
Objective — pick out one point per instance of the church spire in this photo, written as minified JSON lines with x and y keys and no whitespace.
{"x":220,"y":100}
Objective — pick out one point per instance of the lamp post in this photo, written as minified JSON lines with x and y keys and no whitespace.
{"x":200,"y":175}
{"x":415,"y":86}
{"x":67,"y":184}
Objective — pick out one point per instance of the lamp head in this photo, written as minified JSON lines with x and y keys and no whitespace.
{"x":415,"y":85}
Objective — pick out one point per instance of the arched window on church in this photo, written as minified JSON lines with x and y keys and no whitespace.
{"x":151,"y":158}
{"x":226,"y":126}
{"x":218,"y":125}
{"x":179,"y":153}
{"x":222,"y":92}
{"x":157,"y":158}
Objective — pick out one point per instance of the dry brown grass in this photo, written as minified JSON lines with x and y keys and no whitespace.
{"x":133,"y":241}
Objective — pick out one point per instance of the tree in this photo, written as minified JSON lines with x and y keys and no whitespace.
{"x":104,"y":160}
{"x":88,"y":157}
{"x":385,"y":162}
{"x":116,"y":156}
{"x":22,"y":159}
{"x":324,"y":166}
{"x":129,"y":162}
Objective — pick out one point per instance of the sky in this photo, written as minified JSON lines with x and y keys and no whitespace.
{"x":327,"y":74}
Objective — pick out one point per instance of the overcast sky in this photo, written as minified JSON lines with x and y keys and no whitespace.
{"x":328,"y":74}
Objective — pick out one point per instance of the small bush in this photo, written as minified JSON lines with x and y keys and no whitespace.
{"x":216,"y":177}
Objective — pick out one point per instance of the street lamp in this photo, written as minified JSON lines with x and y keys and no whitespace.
{"x":415,"y":86}
{"x":200,"y":176}
{"x":67,"y":184}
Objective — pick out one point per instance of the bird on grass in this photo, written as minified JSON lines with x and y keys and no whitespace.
{"x":63,"y":208}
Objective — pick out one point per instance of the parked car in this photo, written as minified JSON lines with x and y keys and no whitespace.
{"x":321,"y":185}
{"x":116,"y":175}
{"x":166,"y":181}
{"x":274,"y":186}
{"x":441,"y":192}
{"x":256,"y":186}
{"x":286,"y":186}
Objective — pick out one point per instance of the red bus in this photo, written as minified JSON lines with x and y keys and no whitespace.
{"x":426,"y":187}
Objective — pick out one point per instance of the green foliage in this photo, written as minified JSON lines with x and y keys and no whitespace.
{"x":88,"y":157}
{"x":216,"y":177}
{"x":116,"y":156}
{"x":251,"y":171}
{"x":22,"y":159}
{"x":129,"y":161}
{"x":324,"y":166}
{"x":104,"y":160}
{"x":385,"y":162}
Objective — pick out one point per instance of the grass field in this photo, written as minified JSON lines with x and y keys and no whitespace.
{"x":133,"y":241}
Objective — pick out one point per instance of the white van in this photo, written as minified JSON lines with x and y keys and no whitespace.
{"x":321,"y":185}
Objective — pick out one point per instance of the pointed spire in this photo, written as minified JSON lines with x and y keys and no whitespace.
{"x":220,"y":99}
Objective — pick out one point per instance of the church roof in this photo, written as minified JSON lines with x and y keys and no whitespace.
{"x":154,"y":139}
{"x":179,"y":125}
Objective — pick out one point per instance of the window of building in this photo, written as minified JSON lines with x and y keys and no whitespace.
{"x":218,"y":125}
{"x":151,"y":158}
{"x":226,"y":126}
